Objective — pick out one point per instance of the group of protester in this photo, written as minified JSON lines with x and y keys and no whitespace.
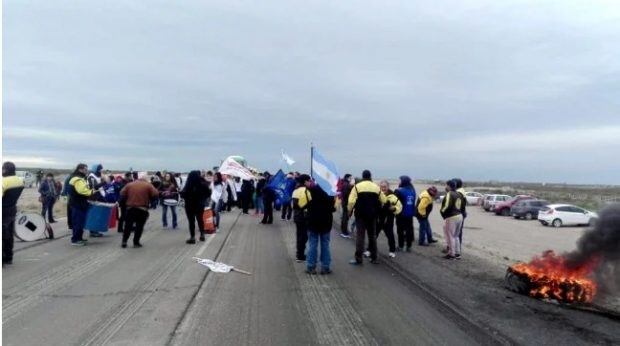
{"x":373,"y":208}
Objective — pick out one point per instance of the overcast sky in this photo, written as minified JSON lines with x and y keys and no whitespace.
{"x":508,"y":90}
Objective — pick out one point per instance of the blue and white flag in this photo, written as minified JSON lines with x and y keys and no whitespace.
{"x":325,"y":173}
{"x":282,"y":188}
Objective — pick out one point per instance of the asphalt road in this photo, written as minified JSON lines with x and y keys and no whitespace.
{"x":55,"y":294}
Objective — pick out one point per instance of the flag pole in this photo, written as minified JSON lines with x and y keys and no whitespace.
{"x":311,"y":158}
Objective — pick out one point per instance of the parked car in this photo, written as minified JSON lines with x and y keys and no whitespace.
{"x":528,"y":209}
{"x":503,"y":208}
{"x":27,"y":176}
{"x":559,"y":215}
{"x":491,"y":200}
{"x":473,"y":198}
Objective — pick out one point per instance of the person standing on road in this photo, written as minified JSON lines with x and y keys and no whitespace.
{"x":12,"y":187}
{"x":169,"y":194}
{"x":95,"y":182}
{"x":48,"y":197}
{"x":320,"y":220}
{"x":366,"y":199}
{"x":424,"y":206}
{"x":301,"y":200}
{"x":268,"y":199}
{"x":122,"y":202}
{"x":287,"y":208}
{"x":345,"y":190}
{"x":247,"y":190}
{"x":79,"y":194}
{"x":138,"y":194}
{"x":195,"y":193}
{"x":404,"y":221}
{"x":461,"y":191}
{"x":218,"y":191}
{"x":65,"y":194}
{"x":385,"y":220}
{"x":258,"y":196}
{"x":451,"y":213}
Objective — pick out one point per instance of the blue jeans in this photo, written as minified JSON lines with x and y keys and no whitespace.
{"x":78,"y":220}
{"x":258,"y":204}
{"x":216,"y":212}
{"x":164,"y":215}
{"x":48,"y":208}
{"x":426,"y":233}
{"x":313,"y":240}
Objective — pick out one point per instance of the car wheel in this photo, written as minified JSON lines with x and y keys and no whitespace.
{"x":557,"y":223}
{"x":528,"y":216}
{"x":505,"y":212}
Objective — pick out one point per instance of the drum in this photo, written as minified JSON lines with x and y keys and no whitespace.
{"x":30,"y":227}
{"x":98,"y":216}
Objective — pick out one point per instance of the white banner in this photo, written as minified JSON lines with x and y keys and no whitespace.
{"x":234,"y":168}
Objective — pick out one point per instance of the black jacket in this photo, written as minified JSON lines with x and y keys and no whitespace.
{"x":320,"y":211}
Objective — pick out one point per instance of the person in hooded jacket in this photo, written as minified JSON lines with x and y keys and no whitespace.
{"x":48,"y":197}
{"x":96,"y":182}
{"x":404,"y":221}
{"x":320,"y":220}
{"x":424,"y":206}
{"x":195,"y":192}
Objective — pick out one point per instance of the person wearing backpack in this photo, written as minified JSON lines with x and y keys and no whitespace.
{"x":365,"y":200}
{"x":404,"y":221}
{"x":424,"y":206}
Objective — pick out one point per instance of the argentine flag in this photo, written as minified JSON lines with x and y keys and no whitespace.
{"x":325,"y":173}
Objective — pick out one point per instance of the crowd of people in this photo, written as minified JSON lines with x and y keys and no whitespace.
{"x":367,"y":209}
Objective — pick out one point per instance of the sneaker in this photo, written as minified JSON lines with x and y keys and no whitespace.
{"x":457,"y":256}
{"x":283,"y":219}
{"x":190,"y":241}
{"x":392,"y":255}
{"x":449,"y":257}
{"x":366,"y":253}
{"x":355,"y":262}
{"x":137,"y":245}
{"x":96,"y":235}
{"x":300,"y":260}
{"x":78,"y":243}
{"x":432,"y":241}
{"x":326,"y":271}
{"x":345,"y":235}
{"x":124,"y":245}
{"x":202,"y":238}
{"x":311,"y":271}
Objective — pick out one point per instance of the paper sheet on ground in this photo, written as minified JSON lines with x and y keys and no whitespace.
{"x":214,"y":266}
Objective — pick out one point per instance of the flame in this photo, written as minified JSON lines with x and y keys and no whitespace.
{"x":550,"y":277}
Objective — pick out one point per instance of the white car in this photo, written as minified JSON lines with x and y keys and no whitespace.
{"x":558,"y":215}
{"x":473,"y":198}
{"x":27,"y":176}
{"x":490,"y":201}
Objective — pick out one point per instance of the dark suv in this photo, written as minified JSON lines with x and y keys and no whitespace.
{"x":528,"y":209}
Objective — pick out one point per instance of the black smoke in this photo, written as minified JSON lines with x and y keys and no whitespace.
{"x":602,"y":240}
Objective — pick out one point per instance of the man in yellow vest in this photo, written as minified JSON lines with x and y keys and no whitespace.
{"x":12,"y":187}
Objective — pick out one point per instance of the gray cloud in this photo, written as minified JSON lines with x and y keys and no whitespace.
{"x":404,"y":87}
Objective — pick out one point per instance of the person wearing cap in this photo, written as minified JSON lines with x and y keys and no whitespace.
{"x":321,"y":208}
{"x":404,"y":221}
{"x":365,"y":200}
{"x":12,"y":188}
{"x":138,"y":195}
{"x":424,"y":206}
{"x":451,"y":213}
{"x":301,"y":201}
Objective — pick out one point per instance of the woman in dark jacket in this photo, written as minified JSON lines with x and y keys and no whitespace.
{"x":320,"y":219}
{"x":195,"y":192}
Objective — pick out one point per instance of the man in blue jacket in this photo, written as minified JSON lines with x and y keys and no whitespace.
{"x":404,"y":221}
